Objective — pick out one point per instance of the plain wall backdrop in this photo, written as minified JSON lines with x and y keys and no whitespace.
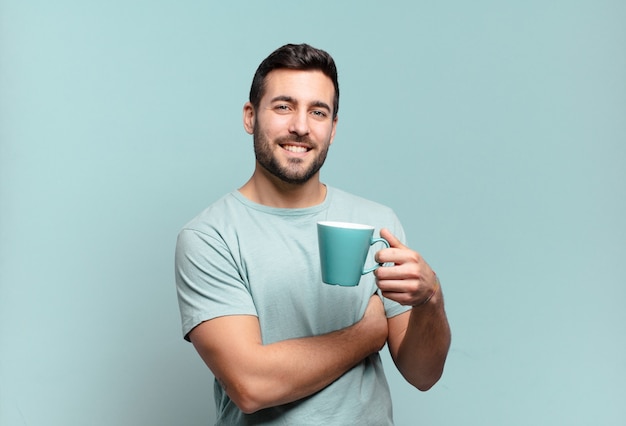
{"x":496,"y":131}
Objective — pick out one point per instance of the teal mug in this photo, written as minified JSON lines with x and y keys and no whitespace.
{"x":343,"y":250}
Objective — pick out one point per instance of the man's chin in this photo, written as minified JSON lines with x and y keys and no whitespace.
{"x":294,"y":179}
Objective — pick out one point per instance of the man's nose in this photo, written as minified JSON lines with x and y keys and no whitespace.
{"x":300,"y":123}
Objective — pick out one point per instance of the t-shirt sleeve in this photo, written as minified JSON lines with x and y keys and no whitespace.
{"x":209,"y":282}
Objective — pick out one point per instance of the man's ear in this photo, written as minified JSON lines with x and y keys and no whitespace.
{"x":249,"y":117}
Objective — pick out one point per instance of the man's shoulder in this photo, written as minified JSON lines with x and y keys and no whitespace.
{"x":217,"y":212}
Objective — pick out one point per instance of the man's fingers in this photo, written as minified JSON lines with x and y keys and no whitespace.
{"x":391,"y":239}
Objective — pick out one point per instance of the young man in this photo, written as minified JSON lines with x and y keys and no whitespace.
{"x":284,"y":347}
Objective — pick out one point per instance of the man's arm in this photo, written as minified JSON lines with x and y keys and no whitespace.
{"x":257,"y":376}
{"x":419,"y":339}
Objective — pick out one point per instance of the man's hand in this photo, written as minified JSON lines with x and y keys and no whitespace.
{"x":374,"y":321}
{"x":410,"y":281}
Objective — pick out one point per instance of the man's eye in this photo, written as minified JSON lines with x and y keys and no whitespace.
{"x":281,"y":107}
{"x":319,"y":113}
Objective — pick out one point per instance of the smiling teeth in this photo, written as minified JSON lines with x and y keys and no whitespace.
{"x":292,"y":148}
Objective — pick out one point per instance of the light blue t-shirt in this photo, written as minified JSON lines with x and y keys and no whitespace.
{"x":242,"y":258}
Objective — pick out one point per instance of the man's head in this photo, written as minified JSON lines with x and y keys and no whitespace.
{"x":292,"y":113}
{"x":295,"y":57}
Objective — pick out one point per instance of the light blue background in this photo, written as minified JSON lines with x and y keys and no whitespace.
{"x":496,"y":130}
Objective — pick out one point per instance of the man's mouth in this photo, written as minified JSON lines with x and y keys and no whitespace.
{"x":295,"y":148}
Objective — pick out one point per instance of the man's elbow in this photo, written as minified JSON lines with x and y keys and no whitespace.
{"x":246,"y":405}
{"x":425,"y":379}
{"x":426,"y":383}
{"x":246,"y":397}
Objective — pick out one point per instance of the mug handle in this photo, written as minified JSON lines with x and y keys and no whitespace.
{"x":378,"y":265}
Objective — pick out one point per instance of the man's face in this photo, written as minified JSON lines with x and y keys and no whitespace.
{"x":293,"y":126}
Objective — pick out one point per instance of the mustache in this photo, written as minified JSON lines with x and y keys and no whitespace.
{"x":296,"y":139}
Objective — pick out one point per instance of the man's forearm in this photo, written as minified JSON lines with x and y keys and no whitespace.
{"x":421,"y":354}
{"x":302,"y":367}
{"x":257,"y":376}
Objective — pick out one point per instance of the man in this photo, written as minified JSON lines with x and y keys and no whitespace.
{"x":284,"y":347}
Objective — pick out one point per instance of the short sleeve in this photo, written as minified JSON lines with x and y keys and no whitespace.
{"x":209,"y":282}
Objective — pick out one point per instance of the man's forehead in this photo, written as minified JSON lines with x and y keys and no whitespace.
{"x":307,"y":83}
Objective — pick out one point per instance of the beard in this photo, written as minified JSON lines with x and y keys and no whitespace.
{"x":295,"y":171}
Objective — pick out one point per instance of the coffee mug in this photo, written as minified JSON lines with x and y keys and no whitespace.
{"x":343,"y":250}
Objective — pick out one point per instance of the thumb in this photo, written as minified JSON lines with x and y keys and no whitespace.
{"x":391,"y":239}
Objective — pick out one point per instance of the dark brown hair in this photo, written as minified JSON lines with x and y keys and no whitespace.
{"x":294,"y":57}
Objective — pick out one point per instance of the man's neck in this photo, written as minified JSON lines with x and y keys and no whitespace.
{"x":273,"y":192}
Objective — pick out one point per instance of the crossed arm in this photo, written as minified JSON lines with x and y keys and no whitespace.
{"x":257,"y":376}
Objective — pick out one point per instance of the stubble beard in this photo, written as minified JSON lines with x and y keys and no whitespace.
{"x":294,"y":172}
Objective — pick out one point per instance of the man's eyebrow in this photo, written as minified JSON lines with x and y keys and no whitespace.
{"x":283,"y":98}
{"x":320,"y":104}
